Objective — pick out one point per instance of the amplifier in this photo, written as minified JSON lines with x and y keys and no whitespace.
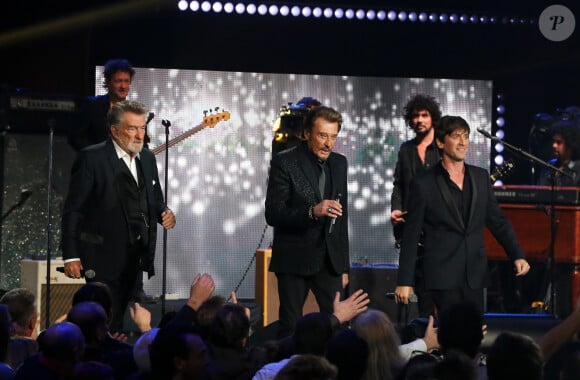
{"x":62,"y":288}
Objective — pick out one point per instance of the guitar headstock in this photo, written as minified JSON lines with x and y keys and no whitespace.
{"x":502,"y":170}
{"x":212,"y":119}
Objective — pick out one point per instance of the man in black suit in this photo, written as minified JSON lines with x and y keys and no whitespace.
{"x":415,"y":155}
{"x":306,"y":203}
{"x":451,"y":204}
{"x":93,"y":128}
{"x":112,"y":207}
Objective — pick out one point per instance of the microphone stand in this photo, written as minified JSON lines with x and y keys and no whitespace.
{"x":51,"y":124}
{"x":166,"y":124}
{"x":550,"y":268}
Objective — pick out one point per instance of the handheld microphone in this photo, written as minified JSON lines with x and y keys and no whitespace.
{"x":334,"y":219}
{"x":150,"y":117}
{"x":485,"y":133}
{"x":88,"y":274}
{"x":412,"y":297}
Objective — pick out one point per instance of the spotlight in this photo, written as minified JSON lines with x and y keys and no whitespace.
{"x":473,"y":19}
{"x":443,"y":17}
{"x":273,"y":10}
{"x":500,"y":122}
{"x":182,"y":5}
{"x":402,"y":16}
{"x":328,"y":12}
{"x":240,"y":8}
{"x":483,"y":19}
{"x":423,"y":17}
{"x":251,"y":9}
{"x":284,"y":10}
{"x":339,"y":13}
{"x":206,"y":6}
{"x":500,"y":109}
{"x":306,"y":11}
{"x":262,"y":9}
{"x":463,"y":19}
{"x":433,"y":17}
{"x":499,"y":147}
{"x":392,"y":15}
{"x":500,"y":134}
{"x":295,"y":11}
{"x":453,"y":18}
{"x":381,"y":15}
{"x":412,"y":16}
{"x":228,"y":7}
{"x":194,"y":6}
{"x":349,"y":14}
{"x":217,"y":7}
{"x":371,"y":14}
{"x":317,"y":12}
{"x":498,"y":160}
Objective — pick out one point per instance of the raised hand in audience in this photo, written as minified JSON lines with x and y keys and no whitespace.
{"x":346,"y":310}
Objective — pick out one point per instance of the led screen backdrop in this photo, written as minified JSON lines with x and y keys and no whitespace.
{"x":217,"y":178}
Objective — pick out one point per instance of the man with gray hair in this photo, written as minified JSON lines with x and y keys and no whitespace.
{"x":112,"y":207}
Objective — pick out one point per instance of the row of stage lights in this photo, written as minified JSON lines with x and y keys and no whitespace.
{"x":498,"y":147}
{"x":347,"y":13}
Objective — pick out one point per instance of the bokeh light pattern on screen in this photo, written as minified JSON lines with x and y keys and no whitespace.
{"x":217,"y":178}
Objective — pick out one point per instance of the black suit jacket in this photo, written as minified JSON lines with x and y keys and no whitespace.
{"x":292,"y":189}
{"x":93,"y":128}
{"x":94,"y":222}
{"x":454,"y":252}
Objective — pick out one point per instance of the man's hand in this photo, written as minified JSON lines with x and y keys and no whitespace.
{"x":521,"y":266}
{"x":402,"y":294}
{"x":72,"y":269}
{"x":141,"y":317}
{"x":397,"y":217}
{"x":327,"y":207}
{"x":168,"y":219}
{"x":346,"y":310}
{"x":345,"y":280}
{"x":201,"y":289}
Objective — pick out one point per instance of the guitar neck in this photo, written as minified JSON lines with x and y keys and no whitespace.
{"x":183,"y":136}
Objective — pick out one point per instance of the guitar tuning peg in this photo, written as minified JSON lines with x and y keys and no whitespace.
{"x":216,"y":109}
{"x":204,"y":112}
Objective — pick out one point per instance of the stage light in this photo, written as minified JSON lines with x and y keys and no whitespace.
{"x":499,"y":147}
{"x":493,"y":20}
{"x":392,"y":15}
{"x":240,"y":8}
{"x":217,"y":7}
{"x":328,"y":12}
{"x":228,"y":7}
{"x":500,"y":122}
{"x":295,"y":11}
{"x":463,"y":19}
{"x":284,"y":10}
{"x":500,"y":109}
{"x":423,"y":17}
{"x":317,"y":12}
{"x":433,"y":17}
{"x":381,"y":15}
{"x":262,"y":9}
{"x":443,"y":17}
{"x":402,"y":16}
{"x":360,"y":14}
{"x":412,"y":16}
{"x":194,"y":6}
{"x":306,"y":11}
{"x":339,"y":13}
{"x":371,"y":14}
{"x":500,"y":134}
{"x":454,"y":18}
{"x":498,"y":160}
{"x":206,"y":6}
{"x":349,"y":14}
{"x":273,"y":10}
{"x":483,"y":19}
{"x":182,"y":5}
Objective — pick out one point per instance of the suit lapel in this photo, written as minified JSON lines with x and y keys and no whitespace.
{"x":309,"y":171}
{"x":446,"y":194}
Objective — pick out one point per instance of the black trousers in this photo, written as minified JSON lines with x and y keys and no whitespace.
{"x":447,"y":297}
{"x":293,"y":290}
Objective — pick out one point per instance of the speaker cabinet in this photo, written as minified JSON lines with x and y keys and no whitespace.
{"x":378,"y":280}
{"x":62,"y":288}
{"x":267,"y":290}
